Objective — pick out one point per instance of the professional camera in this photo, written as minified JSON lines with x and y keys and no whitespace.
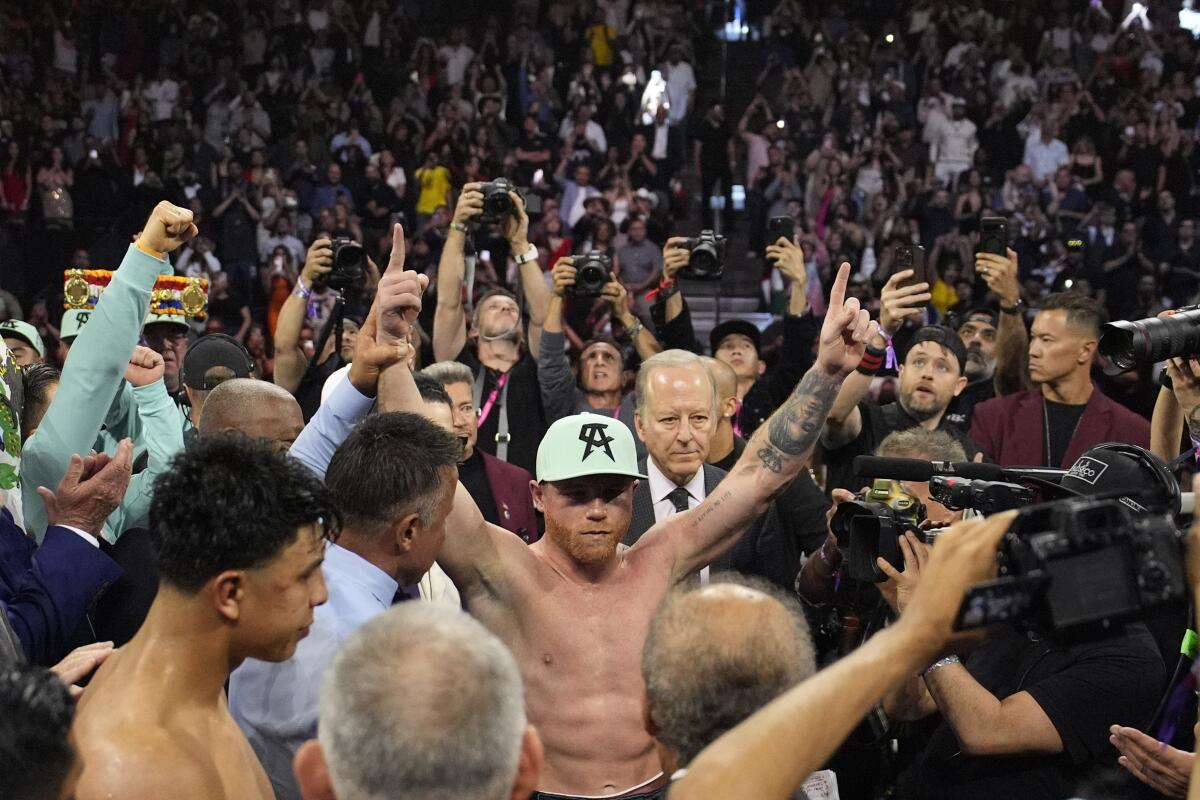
{"x":986,"y":497}
{"x":871,"y":526}
{"x":707,"y":262}
{"x":592,"y":271}
{"x":1080,"y":565}
{"x":349,"y":264}
{"x":1127,"y":344}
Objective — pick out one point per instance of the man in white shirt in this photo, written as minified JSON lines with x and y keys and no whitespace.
{"x":162,"y":95}
{"x":1044,"y":154}
{"x":681,"y":83}
{"x":457,"y":56}
{"x":953,"y":147}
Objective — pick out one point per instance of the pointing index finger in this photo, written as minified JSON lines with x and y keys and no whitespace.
{"x":837,"y":295}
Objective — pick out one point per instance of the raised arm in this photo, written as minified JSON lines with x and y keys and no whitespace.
{"x":450,"y":318}
{"x":1012,"y":339}
{"x":290,"y":361}
{"x":781,"y":447}
{"x":92,"y":377}
{"x":644,"y":340}
{"x":555,"y":380}
{"x":537,"y":296}
{"x":770,"y":754}
{"x":896,"y":304}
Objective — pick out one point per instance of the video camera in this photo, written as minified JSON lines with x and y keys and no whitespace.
{"x":592,"y":272}
{"x":1080,"y":565}
{"x":1128,"y":344}
{"x":498,"y":204}
{"x":707,"y":262}
{"x":870,"y":527}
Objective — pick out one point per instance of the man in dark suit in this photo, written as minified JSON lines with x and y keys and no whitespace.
{"x":500,"y":489}
{"x":676,"y":418}
{"x":46,"y":590}
{"x":1064,"y":414}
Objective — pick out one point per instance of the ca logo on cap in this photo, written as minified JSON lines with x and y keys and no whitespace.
{"x":594,"y":436}
{"x":1088,"y":470}
{"x":83,"y":317}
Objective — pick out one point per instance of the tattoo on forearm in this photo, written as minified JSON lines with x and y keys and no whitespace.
{"x":711,"y":506}
{"x":1193,"y":422}
{"x":793,"y":430}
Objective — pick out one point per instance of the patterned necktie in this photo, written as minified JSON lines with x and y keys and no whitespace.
{"x":679,"y":498}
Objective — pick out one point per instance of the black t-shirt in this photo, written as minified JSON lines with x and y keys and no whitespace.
{"x":1084,"y":688}
{"x":526,"y":418}
{"x":308,"y":393}
{"x":1063,"y":419}
{"x":471,"y":474}
{"x":714,"y":140}
{"x":877,"y":423}
{"x":961,"y":408}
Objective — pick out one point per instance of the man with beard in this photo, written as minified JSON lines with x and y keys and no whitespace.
{"x":574,"y":608}
{"x":978,"y":333}
{"x":506,"y":391}
{"x":931,"y":376}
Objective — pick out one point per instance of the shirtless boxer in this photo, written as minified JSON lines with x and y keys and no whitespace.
{"x":574,"y":608}
{"x":240,"y":531}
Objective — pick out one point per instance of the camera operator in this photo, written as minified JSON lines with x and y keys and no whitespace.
{"x":512,"y":424}
{"x":818,"y":575}
{"x":1065,"y":414}
{"x":931,"y":376}
{"x":601,"y":362}
{"x":1028,"y":714}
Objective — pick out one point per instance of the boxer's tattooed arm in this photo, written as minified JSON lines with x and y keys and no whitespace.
{"x":792,"y":430}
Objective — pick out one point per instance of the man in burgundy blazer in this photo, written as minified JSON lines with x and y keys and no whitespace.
{"x":510,"y":492}
{"x":1064,"y":413}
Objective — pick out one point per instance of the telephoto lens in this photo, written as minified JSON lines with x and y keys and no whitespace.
{"x":592,"y":273}
{"x":1128,"y":344}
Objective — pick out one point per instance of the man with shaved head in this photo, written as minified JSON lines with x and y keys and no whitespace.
{"x":258,"y":409}
{"x":756,"y":645}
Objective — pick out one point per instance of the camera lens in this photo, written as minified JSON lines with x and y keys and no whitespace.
{"x":1127,"y":343}
{"x":348,"y":256}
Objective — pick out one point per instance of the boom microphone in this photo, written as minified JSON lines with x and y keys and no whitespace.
{"x":916,"y":469}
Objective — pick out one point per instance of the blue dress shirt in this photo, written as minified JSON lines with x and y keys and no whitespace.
{"x":275,"y":704}
{"x":335,"y":418}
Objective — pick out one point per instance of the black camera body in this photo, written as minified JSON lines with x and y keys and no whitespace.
{"x":349,"y":264}
{"x":707,"y":262}
{"x":870,"y":527}
{"x":986,"y":497}
{"x":497,"y":204}
{"x":592,"y":272}
{"x":1080,"y":565}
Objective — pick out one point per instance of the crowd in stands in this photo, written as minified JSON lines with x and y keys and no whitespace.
{"x":363,"y":435}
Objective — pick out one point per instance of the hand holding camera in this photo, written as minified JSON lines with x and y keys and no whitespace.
{"x":675,"y":257}
{"x":470,"y":204}
{"x":593,"y":272}
{"x":318,"y":262}
{"x":616,"y":295}
{"x":563,"y":276}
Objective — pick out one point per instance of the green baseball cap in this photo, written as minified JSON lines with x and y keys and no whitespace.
{"x":73,"y":320}
{"x":25,"y":332}
{"x":587,"y":444}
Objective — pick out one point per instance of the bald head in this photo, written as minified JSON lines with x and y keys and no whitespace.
{"x":723,"y":377}
{"x":258,"y":409}
{"x":755,"y":644}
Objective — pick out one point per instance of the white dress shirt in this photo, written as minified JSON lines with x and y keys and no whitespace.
{"x":660,"y":495}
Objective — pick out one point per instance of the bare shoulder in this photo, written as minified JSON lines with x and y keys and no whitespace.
{"x":147,"y":764}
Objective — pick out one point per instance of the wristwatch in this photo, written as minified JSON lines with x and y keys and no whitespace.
{"x":1015,"y":308}
{"x":529,"y":255}
{"x":458,"y":226}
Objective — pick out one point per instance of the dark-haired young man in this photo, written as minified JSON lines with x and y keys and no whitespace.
{"x":240,"y":535}
{"x":37,"y":759}
{"x":393,"y":528}
{"x":1052,"y":424}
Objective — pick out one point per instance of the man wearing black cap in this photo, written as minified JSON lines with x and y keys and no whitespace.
{"x":211,"y":361}
{"x":1028,"y":715}
{"x":931,"y":376}
{"x":977,"y":330}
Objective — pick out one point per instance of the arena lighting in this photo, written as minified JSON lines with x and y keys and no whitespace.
{"x":1136,"y":14}
{"x":1189,"y":18}
{"x":889,"y":38}
{"x":654,"y":96}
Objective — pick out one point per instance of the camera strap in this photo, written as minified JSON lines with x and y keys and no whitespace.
{"x":499,"y":391}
